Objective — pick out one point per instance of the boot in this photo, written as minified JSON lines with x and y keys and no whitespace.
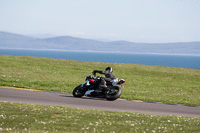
{"x":103,"y":85}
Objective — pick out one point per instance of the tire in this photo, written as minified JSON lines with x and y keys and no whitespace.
{"x":113,"y":96}
{"x":78,"y":91}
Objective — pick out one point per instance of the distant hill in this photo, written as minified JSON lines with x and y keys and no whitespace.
{"x":10,"y":40}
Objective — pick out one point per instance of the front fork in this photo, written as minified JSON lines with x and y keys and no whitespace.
{"x":85,"y":86}
{"x":82,"y":85}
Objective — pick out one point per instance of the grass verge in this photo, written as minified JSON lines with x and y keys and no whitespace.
{"x":15,"y":117}
{"x":147,"y":83}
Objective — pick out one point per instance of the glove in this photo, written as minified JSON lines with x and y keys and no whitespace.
{"x":94,"y":72}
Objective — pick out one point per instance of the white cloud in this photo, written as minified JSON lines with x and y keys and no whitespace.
{"x":77,"y":33}
{"x":110,"y":35}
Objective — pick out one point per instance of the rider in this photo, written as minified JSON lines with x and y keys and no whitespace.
{"x":108,"y":77}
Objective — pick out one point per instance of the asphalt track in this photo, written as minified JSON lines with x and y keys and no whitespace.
{"x":66,"y":99}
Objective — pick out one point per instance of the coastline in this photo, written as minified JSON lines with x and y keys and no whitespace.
{"x":182,"y":61}
{"x":114,"y":52}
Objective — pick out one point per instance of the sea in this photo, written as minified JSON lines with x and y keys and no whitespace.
{"x":182,"y":61}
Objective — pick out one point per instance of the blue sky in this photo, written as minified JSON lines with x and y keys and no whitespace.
{"x":131,"y":20}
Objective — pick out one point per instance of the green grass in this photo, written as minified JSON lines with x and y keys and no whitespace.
{"x":15,"y":117}
{"x":147,"y":83}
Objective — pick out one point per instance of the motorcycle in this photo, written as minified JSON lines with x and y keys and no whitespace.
{"x":90,"y":88}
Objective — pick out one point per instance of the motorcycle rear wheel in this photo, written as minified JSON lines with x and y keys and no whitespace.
{"x":111,"y":96}
{"x":78,"y":91}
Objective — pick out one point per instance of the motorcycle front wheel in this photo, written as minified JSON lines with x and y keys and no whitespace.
{"x":78,"y":91}
{"x":114,"y":93}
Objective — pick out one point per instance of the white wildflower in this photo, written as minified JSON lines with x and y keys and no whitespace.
{"x":43,"y":122}
{"x":132,"y":125}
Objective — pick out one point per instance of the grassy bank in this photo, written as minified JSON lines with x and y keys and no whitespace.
{"x":147,"y":83}
{"x":16,"y":117}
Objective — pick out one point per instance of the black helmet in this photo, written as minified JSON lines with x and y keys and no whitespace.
{"x":109,"y":69}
